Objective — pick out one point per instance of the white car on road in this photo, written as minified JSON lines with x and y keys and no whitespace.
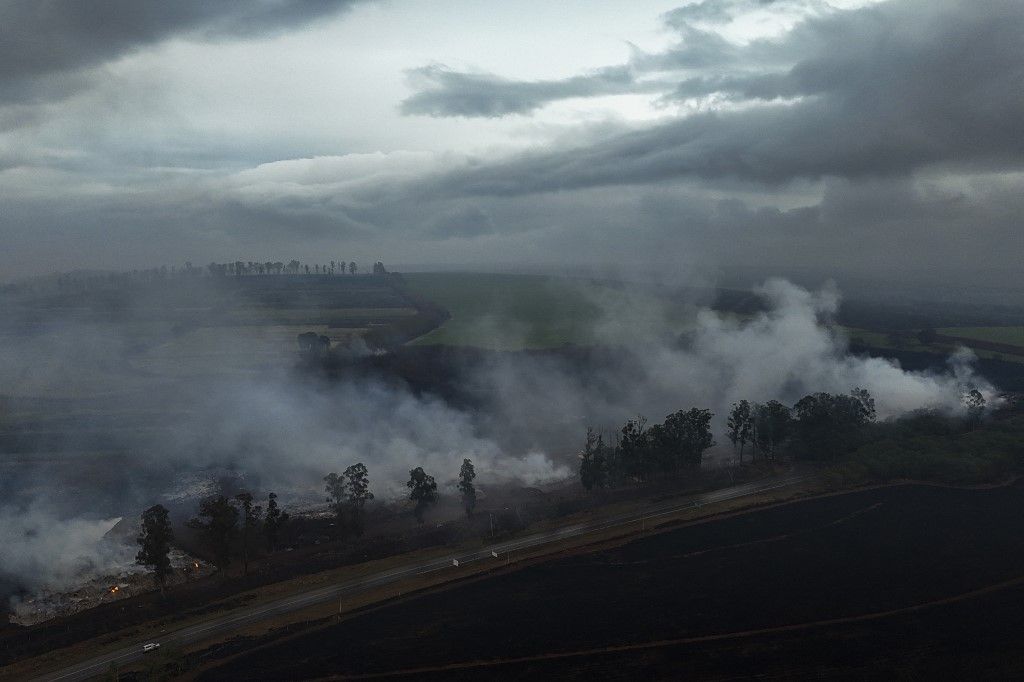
{"x":150,"y":647}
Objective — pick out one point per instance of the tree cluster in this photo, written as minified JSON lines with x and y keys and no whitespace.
{"x":827,"y":426}
{"x":155,"y":541}
{"x":641,"y":452}
{"x":230,"y":526}
{"x":313,"y":346}
{"x":76,"y":281}
{"x":422,"y":491}
{"x":818,"y":426}
{"x":764,"y":426}
{"x":293,"y":267}
{"x":348,"y":495}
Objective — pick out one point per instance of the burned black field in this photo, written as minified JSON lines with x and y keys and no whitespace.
{"x":889,"y":570}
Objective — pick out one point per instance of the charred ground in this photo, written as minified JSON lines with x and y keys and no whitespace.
{"x":872,"y":557}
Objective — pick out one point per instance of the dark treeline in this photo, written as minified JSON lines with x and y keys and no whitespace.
{"x":820,"y":427}
{"x":641,"y":452}
{"x":88,"y":279}
{"x":230,"y":527}
{"x":292,"y":267}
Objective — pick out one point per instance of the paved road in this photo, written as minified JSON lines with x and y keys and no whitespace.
{"x":243,"y":617}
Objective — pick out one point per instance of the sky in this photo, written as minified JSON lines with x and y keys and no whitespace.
{"x":862,"y":139}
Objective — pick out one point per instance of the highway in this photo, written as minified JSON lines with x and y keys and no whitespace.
{"x":243,"y":617}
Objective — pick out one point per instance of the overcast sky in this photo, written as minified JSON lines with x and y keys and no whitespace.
{"x":875,"y":139}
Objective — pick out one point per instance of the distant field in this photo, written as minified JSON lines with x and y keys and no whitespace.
{"x":109,"y":339}
{"x":231,"y":349}
{"x":907,"y":340}
{"x":327,"y":316}
{"x":101,"y":373}
{"x":513,"y":312}
{"x":1013,"y":336}
{"x":506,"y":312}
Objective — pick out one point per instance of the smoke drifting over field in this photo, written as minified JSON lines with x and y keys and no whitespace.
{"x":783,"y":354}
{"x":283,"y":431}
{"x":290,"y":436}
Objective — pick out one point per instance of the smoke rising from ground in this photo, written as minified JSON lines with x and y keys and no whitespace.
{"x":783,"y":354}
{"x":291,"y":436}
{"x":41,"y":549}
{"x":284,"y":431}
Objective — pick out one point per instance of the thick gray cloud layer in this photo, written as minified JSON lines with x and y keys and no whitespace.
{"x":882,"y":90}
{"x":715,"y":11}
{"x":883,"y":139}
{"x":45,"y":44}
{"x":449,"y":93}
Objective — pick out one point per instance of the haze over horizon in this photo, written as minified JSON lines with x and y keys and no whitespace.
{"x":849,"y":138}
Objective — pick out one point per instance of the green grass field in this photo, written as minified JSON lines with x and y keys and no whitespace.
{"x":514,"y":312}
{"x":125,"y":338}
{"x":1010,"y":335}
{"x":908,"y":341}
{"x":506,"y":312}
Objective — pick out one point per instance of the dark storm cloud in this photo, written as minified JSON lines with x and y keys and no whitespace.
{"x":43,"y":43}
{"x":881,"y":140}
{"x":872,"y":228}
{"x":696,"y":49}
{"x":879,"y":91}
{"x":461,"y":221}
{"x":443,"y":92}
{"x":714,"y":11}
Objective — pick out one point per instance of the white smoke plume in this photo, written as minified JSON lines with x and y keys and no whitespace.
{"x":790,"y":350}
{"x":42,"y":549}
{"x":292,"y":435}
{"x":286,"y":432}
